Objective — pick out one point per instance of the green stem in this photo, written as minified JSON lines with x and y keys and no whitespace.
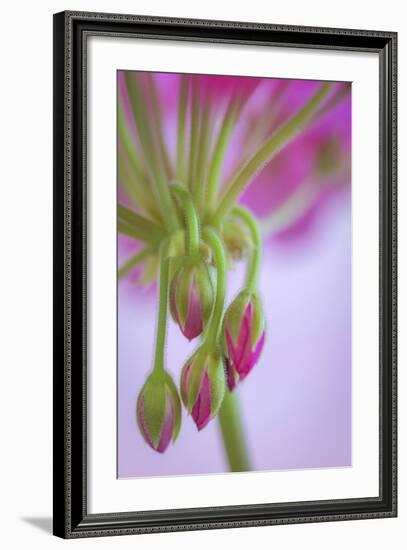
{"x":130,"y":146}
{"x":136,"y":188}
{"x":233,"y":110}
{"x":232,"y":433}
{"x":212,"y":238}
{"x":229,"y":415}
{"x":162,"y":310}
{"x":194,"y":134}
{"x":191,"y":219}
{"x":182,"y":122}
{"x":157,"y":119}
{"x":222,"y":141}
{"x":151,"y":155}
{"x":135,"y":233}
{"x":272,"y":145}
{"x":131,"y":170}
{"x":198,"y":188}
{"x":140,"y":222}
{"x":253,"y":271}
{"x":132,"y":262}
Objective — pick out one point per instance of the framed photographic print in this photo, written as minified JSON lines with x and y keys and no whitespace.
{"x":224,"y":274}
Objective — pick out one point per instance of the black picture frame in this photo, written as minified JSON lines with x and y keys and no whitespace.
{"x":71,"y":518}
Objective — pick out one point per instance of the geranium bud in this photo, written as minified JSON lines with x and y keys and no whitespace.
{"x":203,"y":386}
{"x":191,"y":297}
{"x":159,"y":411}
{"x":243,"y":336}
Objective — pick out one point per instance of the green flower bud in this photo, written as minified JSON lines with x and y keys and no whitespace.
{"x":159,"y":411}
{"x":191,"y":296}
{"x":243,"y":335}
{"x":203,"y":386}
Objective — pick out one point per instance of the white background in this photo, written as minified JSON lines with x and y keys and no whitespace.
{"x":26,"y":271}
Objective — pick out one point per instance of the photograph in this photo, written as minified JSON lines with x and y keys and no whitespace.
{"x":234,"y":274}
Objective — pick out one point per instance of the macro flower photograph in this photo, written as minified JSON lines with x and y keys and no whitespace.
{"x":234,"y":274}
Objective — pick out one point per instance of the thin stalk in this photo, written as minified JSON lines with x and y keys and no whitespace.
{"x":130,"y":147}
{"x":194,"y":134}
{"x":136,"y":188}
{"x":272,"y":146}
{"x":132,"y":262}
{"x":235,"y":106}
{"x":215,"y":322}
{"x":253,"y":271}
{"x":233,"y":437}
{"x":140,"y":223}
{"x":198,"y":188}
{"x":157,"y":119}
{"x":162,"y":310}
{"x":221,"y":144}
{"x":182,"y":122}
{"x":135,"y":233}
{"x":162,"y":193}
{"x":131,"y":170}
{"x":266,"y":125}
{"x":191,"y":219}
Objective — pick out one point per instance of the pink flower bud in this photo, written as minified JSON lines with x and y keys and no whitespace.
{"x":243,"y":336}
{"x":159,"y":411}
{"x":203,"y":386}
{"x":191,"y":298}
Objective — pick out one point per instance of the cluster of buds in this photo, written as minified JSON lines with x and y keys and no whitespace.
{"x":232,"y":340}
